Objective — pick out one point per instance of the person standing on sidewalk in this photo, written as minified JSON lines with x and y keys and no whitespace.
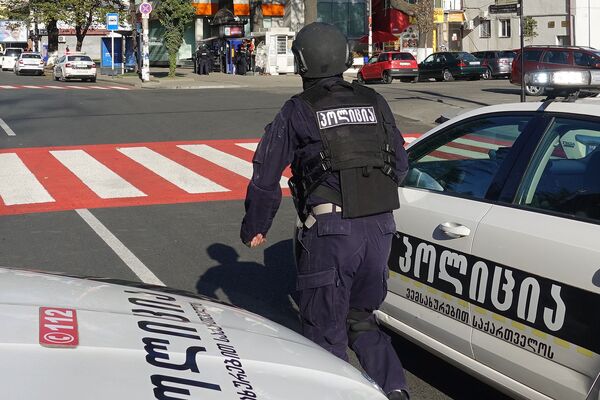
{"x":347,"y":159}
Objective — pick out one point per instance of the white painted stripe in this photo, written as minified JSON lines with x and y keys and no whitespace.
{"x":54,"y":87}
{"x":18,"y":185}
{"x":222,"y":159}
{"x":7,"y":87}
{"x":98,"y":87}
{"x":104,"y":182}
{"x":431,"y":158}
{"x":77,"y":87}
{"x":464,"y":153}
{"x":31,"y":87}
{"x":249,"y":146}
{"x":477,"y":143}
{"x":409,"y":139}
{"x":173,"y":172}
{"x":119,"y":248}
{"x":119,"y":88}
{"x":6,"y":128}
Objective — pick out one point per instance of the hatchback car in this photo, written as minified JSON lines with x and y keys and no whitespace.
{"x":497,"y":63}
{"x":388,"y":66}
{"x":448,"y":66}
{"x":75,"y":66}
{"x":11,"y":54}
{"x":29,"y":62}
{"x":69,"y":338}
{"x":496,"y":262}
{"x":553,"y":58}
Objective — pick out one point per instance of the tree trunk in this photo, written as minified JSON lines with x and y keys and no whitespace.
{"x":172,"y":64}
{"x":52,"y":36}
{"x":134,"y":35}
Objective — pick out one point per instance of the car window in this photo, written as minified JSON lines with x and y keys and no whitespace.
{"x":479,"y":54}
{"x":61,"y":60}
{"x":31,"y":56}
{"x":556,"y":57}
{"x":564,"y":175}
{"x":430,"y":59}
{"x":402,"y":56}
{"x":533,"y":55}
{"x":79,"y":58}
{"x":13,"y":52}
{"x":372,"y":60}
{"x":465,"y":56}
{"x":507,"y":54}
{"x":585,"y":59}
{"x":464,"y":159}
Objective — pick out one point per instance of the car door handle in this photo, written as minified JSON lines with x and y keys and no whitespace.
{"x":454,"y":230}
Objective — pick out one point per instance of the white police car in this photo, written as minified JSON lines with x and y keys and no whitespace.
{"x":496,"y":262}
{"x":70,"y":339}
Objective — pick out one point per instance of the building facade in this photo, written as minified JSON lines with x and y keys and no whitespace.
{"x":585,"y":31}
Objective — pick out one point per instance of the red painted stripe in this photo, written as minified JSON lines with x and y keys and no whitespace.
{"x":482,"y":139}
{"x":447,"y":156}
{"x":467,"y":147}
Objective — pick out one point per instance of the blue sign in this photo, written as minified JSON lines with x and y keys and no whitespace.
{"x":112,"y":21}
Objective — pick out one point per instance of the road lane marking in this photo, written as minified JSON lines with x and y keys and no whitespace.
{"x":6,"y":128}
{"x":171,"y":171}
{"x":18,"y":185}
{"x":248,"y":146}
{"x":76,"y":87}
{"x":100,"y":179}
{"x":222,"y":159}
{"x":7,"y":87}
{"x":130,"y":259}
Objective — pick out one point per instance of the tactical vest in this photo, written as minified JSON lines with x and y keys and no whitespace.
{"x":356,"y":144}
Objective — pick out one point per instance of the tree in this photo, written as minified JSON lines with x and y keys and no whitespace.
{"x":424,"y":13}
{"x":174,"y":15}
{"x":83,"y":13}
{"x":529,"y":28}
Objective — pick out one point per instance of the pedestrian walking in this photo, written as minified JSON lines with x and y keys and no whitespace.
{"x":347,"y":160}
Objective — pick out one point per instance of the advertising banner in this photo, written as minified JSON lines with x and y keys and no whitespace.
{"x":12,"y":31}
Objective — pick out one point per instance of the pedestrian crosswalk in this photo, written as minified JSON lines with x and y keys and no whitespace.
{"x":48,"y":179}
{"x":65,"y":87}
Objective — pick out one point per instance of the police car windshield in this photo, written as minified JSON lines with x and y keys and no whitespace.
{"x":402,"y":56}
{"x":79,"y":58}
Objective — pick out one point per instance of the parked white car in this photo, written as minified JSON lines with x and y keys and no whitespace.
{"x":496,"y":262}
{"x":11,"y":54}
{"x":75,"y":66}
{"x":29,"y":62}
{"x":67,"y":338}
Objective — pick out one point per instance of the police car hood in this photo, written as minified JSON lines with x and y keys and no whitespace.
{"x":71,"y":338}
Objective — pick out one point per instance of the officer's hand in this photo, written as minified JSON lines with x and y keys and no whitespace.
{"x":256,"y":241}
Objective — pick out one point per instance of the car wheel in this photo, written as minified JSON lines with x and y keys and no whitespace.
{"x":92,"y":80}
{"x":475,"y":78}
{"x":487,"y":75}
{"x":360,"y":79}
{"x":447,"y":75}
{"x":534,"y":90}
{"x":386,"y":78}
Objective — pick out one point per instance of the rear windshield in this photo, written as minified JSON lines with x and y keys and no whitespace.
{"x":465,"y":56}
{"x":507,"y":54}
{"x":79,"y":58}
{"x":31,"y":56}
{"x":533,"y":55}
{"x":13,"y":52}
{"x":402,"y":56}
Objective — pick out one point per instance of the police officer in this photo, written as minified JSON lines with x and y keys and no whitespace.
{"x":202,"y":59}
{"x":347,"y":161}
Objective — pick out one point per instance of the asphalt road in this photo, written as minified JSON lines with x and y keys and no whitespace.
{"x":186,"y":241}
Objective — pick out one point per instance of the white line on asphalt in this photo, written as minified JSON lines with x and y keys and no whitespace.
{"x":7,"y":87}
{"x":6,"y":128}
{"x":173,"y":172}
{"x":18,"y":185}
{"x":77,"y":87}
{"x":119,"y":248}
{"x":98,"y":87}
{"x":99,"y":178}
{"x":53,"y":87}
{"x":31,"y":87}
{"x":222,"y":159}
{"x":249,"y":146}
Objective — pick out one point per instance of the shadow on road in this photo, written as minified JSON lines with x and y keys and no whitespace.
{"x":428,"y":92}
{"x":516,"y":90}
{"x":262,"y":289}
{"x":443,"y":376}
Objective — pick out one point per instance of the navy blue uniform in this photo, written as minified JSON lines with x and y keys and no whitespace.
{"x":342,"y":264}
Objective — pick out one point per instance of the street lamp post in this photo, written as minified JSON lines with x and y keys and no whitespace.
{"x":522,"y":25}
{"x":370,"y":12}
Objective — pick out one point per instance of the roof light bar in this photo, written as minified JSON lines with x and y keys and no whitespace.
{"x":564,"y":78}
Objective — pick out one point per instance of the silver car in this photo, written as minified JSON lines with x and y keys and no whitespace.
{"x":498,"y":63}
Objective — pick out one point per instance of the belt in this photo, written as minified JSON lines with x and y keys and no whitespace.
{"x":325,"y":208}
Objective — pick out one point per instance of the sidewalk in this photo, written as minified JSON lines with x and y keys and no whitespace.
{"x":186,"y":79}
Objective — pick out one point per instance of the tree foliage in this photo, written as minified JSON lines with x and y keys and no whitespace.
{"x":425,"y":23}
{"x":529,"y":28}
{"x":174,"y":15}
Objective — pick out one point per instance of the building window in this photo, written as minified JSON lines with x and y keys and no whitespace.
{"x":504,"y":28}
{"x":485,"y":28}
{"x":348,"y":15}
{"x":564,"y":24}
{"x":551,"y":24}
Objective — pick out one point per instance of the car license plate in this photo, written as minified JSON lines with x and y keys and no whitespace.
{"x":58,"y":327}
{"x":475,"y":63}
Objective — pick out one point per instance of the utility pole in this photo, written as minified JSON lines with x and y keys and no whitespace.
{"x":370,"y":13}
{"x":522,"y":32}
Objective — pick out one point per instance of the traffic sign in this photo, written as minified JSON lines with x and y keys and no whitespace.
{"x":112,"y":21}
{"x":145,"y":9}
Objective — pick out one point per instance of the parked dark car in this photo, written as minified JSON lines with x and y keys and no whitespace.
{"x":498,"y":63}
{"x":447,"y":66}
{"x":388,"y":66}
{"x":553,"y":58}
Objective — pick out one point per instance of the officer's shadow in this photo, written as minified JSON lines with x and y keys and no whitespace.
{"x":262,"y":289}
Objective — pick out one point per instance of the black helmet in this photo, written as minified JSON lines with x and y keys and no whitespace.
{"x":321,"y":50}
